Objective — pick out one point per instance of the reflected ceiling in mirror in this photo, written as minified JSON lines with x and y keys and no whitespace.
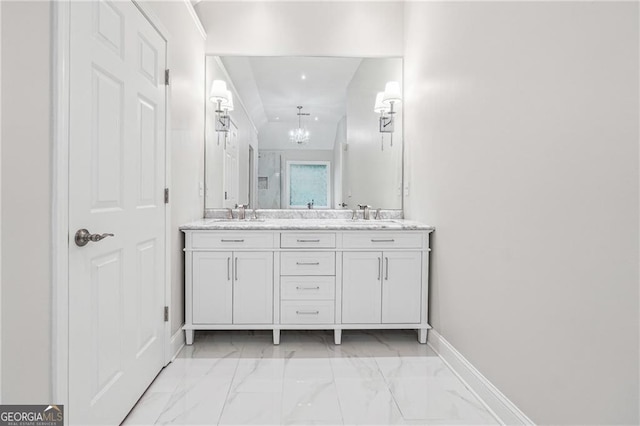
{"x":346,"y":160}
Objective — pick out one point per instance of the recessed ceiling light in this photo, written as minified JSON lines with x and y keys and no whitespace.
{"x":277,"y":118}
{"x":304,"y":77}
{"x":316,"y":118}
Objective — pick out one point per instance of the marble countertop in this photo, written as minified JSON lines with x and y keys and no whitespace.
{"x":305,"y":224}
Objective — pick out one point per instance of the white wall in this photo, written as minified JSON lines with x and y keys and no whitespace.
{"x":186,"y":130}
{"x":26,"y":202}
{"x":372,"y":175}
{"x":521,"y":122}
{"x":309,"y":28}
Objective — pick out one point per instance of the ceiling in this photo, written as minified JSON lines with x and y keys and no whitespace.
{"x":272,"y":87}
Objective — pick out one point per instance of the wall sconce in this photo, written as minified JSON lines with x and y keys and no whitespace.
{"x":224,"y":103}
{"x":385,"y":102}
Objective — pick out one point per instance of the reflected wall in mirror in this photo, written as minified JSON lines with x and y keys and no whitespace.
{"x":330,"y":153}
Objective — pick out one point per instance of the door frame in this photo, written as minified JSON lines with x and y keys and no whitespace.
{"x":60,"y":106}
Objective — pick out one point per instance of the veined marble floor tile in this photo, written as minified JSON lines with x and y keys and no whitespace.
{"x":148,"y":409}
{"x":374,"y":377}
{"x":433,"y":400}
{"x":356,"y":367}
{"x":303,"y":369}
{"x":416,"y":367}
{"x":310,"y":402}
{"x":367,"y":402}
{"x":259,"y":375}
{"x":252,"y":409}
{"x":197,"y":401}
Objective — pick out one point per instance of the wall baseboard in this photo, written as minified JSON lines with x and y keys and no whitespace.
{"x":494,"y":400}
{"x":176,"y":343}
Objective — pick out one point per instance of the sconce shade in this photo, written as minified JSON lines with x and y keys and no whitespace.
{"x":392,"y":92}
{"x":218,"y":91}
{"x":228,"y":103}
{"x":380,"y":106}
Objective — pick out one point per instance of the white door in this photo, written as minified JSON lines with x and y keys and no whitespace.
{"x":212,"y":287}
{"x":253,"y":288}
{"x":231,"y":169}
{"x":116,"y":181}
{"x":402,"y":287}
{"x":361,"y":287}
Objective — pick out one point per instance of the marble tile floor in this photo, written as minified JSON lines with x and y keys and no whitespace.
{"x":373,"y":378}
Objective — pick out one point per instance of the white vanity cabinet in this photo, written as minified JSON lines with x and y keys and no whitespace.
{"x":297,"y":279}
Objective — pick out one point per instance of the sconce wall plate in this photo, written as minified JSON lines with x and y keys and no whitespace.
{"x":223,"y":123}
{"x":386,"y":124}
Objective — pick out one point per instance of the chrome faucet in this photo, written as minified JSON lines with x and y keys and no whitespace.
{"x":241,"y":210}
{"x":310,"y":204}
{"x":365,"y":211}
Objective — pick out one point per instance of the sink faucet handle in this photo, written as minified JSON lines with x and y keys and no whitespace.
{"x":377,"y":213}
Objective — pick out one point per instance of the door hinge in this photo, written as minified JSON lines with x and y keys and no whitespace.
{"x":225,"y":195}
{"x":166,"y":314}
{"x":166,"y":195}
{"x":167,"y":77}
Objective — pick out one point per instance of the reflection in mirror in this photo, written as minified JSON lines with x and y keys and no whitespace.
{"x":301,"y":132}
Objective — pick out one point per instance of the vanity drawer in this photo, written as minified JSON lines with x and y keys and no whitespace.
{"x":382,"y":240}
{"x":307,"y":288}
{"x":232,"y":240}
{"x":308,"y":263}
{"x":307,"y":240}
{"x":307,"y":312}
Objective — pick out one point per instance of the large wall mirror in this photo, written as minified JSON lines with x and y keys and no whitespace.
{"x":302,"y":132}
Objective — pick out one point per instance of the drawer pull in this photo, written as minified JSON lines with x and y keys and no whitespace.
{"x":307,"y":263}
{"x":383,"y":241}
{"x":379,"y":268}
{"x":307,"y":312}
{"x":308,"y":241}
{"x":232,"y":241}
{"x":308,"y":288}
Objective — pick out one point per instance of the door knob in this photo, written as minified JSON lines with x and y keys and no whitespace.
{"x":83,"y":237}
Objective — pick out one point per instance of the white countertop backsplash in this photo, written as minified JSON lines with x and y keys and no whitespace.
{"x":305,"y":224}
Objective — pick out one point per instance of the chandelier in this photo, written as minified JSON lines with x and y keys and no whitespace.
{"x":300,"y":135}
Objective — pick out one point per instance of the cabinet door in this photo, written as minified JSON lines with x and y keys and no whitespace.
{"x":253,"y":288}
{"x":212,"y":288}
{"x":361,"y":287}
{"x":401,"y":287}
